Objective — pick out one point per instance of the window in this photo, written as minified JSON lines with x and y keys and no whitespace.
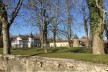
{"x":60,"y":44}
{"x":66,"y":44}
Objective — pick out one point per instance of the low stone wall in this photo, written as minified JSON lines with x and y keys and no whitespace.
{"x":16,"y":63}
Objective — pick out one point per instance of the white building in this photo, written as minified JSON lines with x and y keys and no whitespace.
{"x":22,"y":41}
{"x":60,"y":44}
{"x":76,"y":42}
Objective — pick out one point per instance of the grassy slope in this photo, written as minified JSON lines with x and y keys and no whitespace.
{"x":83,"y":54}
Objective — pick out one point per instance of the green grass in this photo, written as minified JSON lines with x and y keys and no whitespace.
{"x":83,"y":54}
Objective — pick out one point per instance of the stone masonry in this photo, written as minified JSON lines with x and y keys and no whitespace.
{"x":17,"y":63}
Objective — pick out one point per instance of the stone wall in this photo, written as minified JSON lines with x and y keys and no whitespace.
{"x":17,"y":63}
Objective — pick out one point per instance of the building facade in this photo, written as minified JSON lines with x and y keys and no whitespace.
{"x":22,"y":41}
{"x":30,"y":41}
{"x":75,"y":42}
{"x":60,"y":44}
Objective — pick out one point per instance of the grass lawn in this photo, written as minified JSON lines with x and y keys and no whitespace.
{"x":82,"y":54}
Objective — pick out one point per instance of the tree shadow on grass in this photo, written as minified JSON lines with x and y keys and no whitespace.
{"x":39,"y":49}
{"x":106,"y":50}
{"x":54,"y":51}
{"x":20,"y":48}
{"x":77,"y":51}
{"x":36,"y":54}
{"x":82,"y":50}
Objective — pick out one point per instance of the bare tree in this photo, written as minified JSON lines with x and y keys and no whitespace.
{"x":85,"y":18}
{"x":68,"y":8}
{"x":42,"y":18}
{"x":55,"y":19}
{"x":6,"y":24}
{"x":54,"y":31}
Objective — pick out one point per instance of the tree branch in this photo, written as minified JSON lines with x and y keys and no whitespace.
{"x":104,"y":11}
{"x":15,"y":12}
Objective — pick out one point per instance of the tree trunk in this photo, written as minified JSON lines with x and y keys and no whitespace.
{"x":86,"y":31}
{"x":42,"y":39}
{"x":98,"y":44}
{"x":68,"y":21}
{"x":0,"y":28}
{"x":45,"y":34}
{"x":97,"y":25}
{"x":5,"y":32}
{"x":87,"y":38}
{"x":45,"y":30}
{"x":69,"y":41}
{"x":91,"y":37}
{"x":45,"y":37}
{"x":69,"y":35}
{"x":85,"y":24}
{"x":54,"y":36}
{"x":6,"y":25}
{"x":106,"y":30}
{"x":6,"y":39}
{"x":54,"y":30}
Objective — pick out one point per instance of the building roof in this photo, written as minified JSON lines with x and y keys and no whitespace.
{"x":31,"y":35}
{"x":75,"y":37}
{"x":23,"y":37}
{"x":83,"y":37}
{"x":13,"y":38}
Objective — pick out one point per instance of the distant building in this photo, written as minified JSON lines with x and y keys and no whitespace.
{"x":29,"y":41}
{"x":83,"y":41}
{"x":75,"y":41}
{"x":22,"y":41}
{"x":60,"y":43}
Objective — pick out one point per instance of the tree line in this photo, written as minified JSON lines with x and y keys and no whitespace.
{"x":51,"y":14}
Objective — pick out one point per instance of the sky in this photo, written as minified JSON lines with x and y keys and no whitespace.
{"x":22,"y":23}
